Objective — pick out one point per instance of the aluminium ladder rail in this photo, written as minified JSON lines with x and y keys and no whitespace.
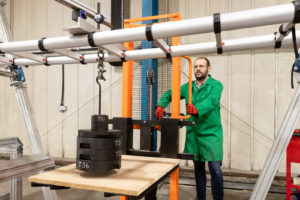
{"x":13,"y":147}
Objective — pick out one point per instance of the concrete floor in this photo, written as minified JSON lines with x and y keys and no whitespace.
{"x":185,"y":192}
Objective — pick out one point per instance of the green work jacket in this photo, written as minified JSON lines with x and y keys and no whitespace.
{"x":205,"y":139}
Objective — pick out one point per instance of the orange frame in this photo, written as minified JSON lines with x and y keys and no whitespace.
{"x":127,"y":88}
{"x":128,"y":68}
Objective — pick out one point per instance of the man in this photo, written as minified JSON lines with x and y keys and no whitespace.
{"x":205,"y":139}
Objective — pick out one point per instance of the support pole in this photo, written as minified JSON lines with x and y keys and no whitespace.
{"x":127,"y":84}
{"x":8,"y":74}
{"x":176,"y":76}
{"x":174,"y":188}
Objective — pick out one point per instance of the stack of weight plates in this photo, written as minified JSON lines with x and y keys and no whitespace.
{"x":99,"y":149}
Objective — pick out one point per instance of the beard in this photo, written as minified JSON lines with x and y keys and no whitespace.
{"x":202,"y":76}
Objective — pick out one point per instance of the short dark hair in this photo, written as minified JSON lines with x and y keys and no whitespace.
{"x":204,"y":58}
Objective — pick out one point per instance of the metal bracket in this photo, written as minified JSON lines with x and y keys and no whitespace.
{"x":164,"y":47}
{"x":82,"y":27}
{"x":20,"y":74}
{"x":30,"y":56}
{"x":69,"y":53}
{"x":284,"y":30}
{"x":116,"y":49}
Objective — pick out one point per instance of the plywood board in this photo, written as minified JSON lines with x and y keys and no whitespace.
{"x":136,"y":175}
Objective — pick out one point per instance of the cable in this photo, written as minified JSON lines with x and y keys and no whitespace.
{"x":77,"y":110}
{"x":296,"y":54}
{"x":63,"y":86}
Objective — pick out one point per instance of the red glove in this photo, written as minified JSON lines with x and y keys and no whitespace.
{"x":159,"y":112}
{"x":191,"y":109}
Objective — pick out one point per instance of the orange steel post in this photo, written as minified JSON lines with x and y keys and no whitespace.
{"x":190,"y":84}
{"x":128,"y":67}
{"x":176,"y":70}
{"x":151,"y":18}
{"x":127,"y":82}
{"x":123,"y":198}
{"x":174,"y":179}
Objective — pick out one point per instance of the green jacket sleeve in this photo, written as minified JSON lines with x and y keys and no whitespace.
{"x":167,"y":97}
{"x":211,"y":102}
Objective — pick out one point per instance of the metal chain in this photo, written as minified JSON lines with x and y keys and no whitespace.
{"x":101,"y":69}
{"x":100,"y":73}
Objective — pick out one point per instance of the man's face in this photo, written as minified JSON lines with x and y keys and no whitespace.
{"x":201,"y":69}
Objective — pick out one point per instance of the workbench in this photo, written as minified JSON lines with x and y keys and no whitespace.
{"x":138,"y":175}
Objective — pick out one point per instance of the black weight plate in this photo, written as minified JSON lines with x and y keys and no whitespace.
{"x":99,"y":122}
{"x":97,"y":166}
{"x":99,"y":134}
{"x":91,"y":154}
{"x":99,"y":143}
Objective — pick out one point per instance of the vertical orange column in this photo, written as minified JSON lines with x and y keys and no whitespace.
{"x":127,"y":87}
{"x":174,"y":180}
{"x":176,"y":70}
{"x":127,"y":82}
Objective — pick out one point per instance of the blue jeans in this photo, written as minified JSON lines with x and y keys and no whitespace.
{"x":216,"y":179}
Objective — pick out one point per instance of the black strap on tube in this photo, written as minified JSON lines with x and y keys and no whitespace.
{"x":91,"y":40}
{"x":297,"y":11}
{"x":82,"y":60}
{"x":217,"y":30}
{"x":41,"y":44}
{"x":148,"y":32}
{"x":46,"y":61}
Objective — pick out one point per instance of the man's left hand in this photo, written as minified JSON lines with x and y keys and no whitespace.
{"x":191,"y":109}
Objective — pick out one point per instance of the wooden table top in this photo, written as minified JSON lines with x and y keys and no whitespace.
{"x":136,"y":175}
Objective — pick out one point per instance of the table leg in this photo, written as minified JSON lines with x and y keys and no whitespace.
{"x":174,"y":179}
{"x":123,"y":198}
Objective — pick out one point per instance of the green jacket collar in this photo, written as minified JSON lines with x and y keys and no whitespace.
{"x":208,"y":81}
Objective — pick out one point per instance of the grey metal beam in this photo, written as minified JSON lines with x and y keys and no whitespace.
{"x":10,"y":169}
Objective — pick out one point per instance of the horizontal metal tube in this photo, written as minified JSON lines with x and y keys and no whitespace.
{"x":9,"y":74}
{"x":229,"y":21}
{"x":25,"y":165}
{"x":77,"y":5}
{"x":249,"y":43}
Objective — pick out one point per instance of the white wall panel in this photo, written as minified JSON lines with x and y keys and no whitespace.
{"x":55,"y":130}
{"x":40,"y":100}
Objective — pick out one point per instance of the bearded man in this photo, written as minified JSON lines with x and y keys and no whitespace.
{"x":205,"y":139}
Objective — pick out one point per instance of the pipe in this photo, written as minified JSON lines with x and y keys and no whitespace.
{"x":13,"y":75}
{"x":249,"y":43}
{"x":229,"y":21}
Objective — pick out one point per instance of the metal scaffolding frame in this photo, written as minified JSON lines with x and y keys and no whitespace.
{"x":24,"y":103}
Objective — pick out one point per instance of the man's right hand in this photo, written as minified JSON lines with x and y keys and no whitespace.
{"x":159,"y":112}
